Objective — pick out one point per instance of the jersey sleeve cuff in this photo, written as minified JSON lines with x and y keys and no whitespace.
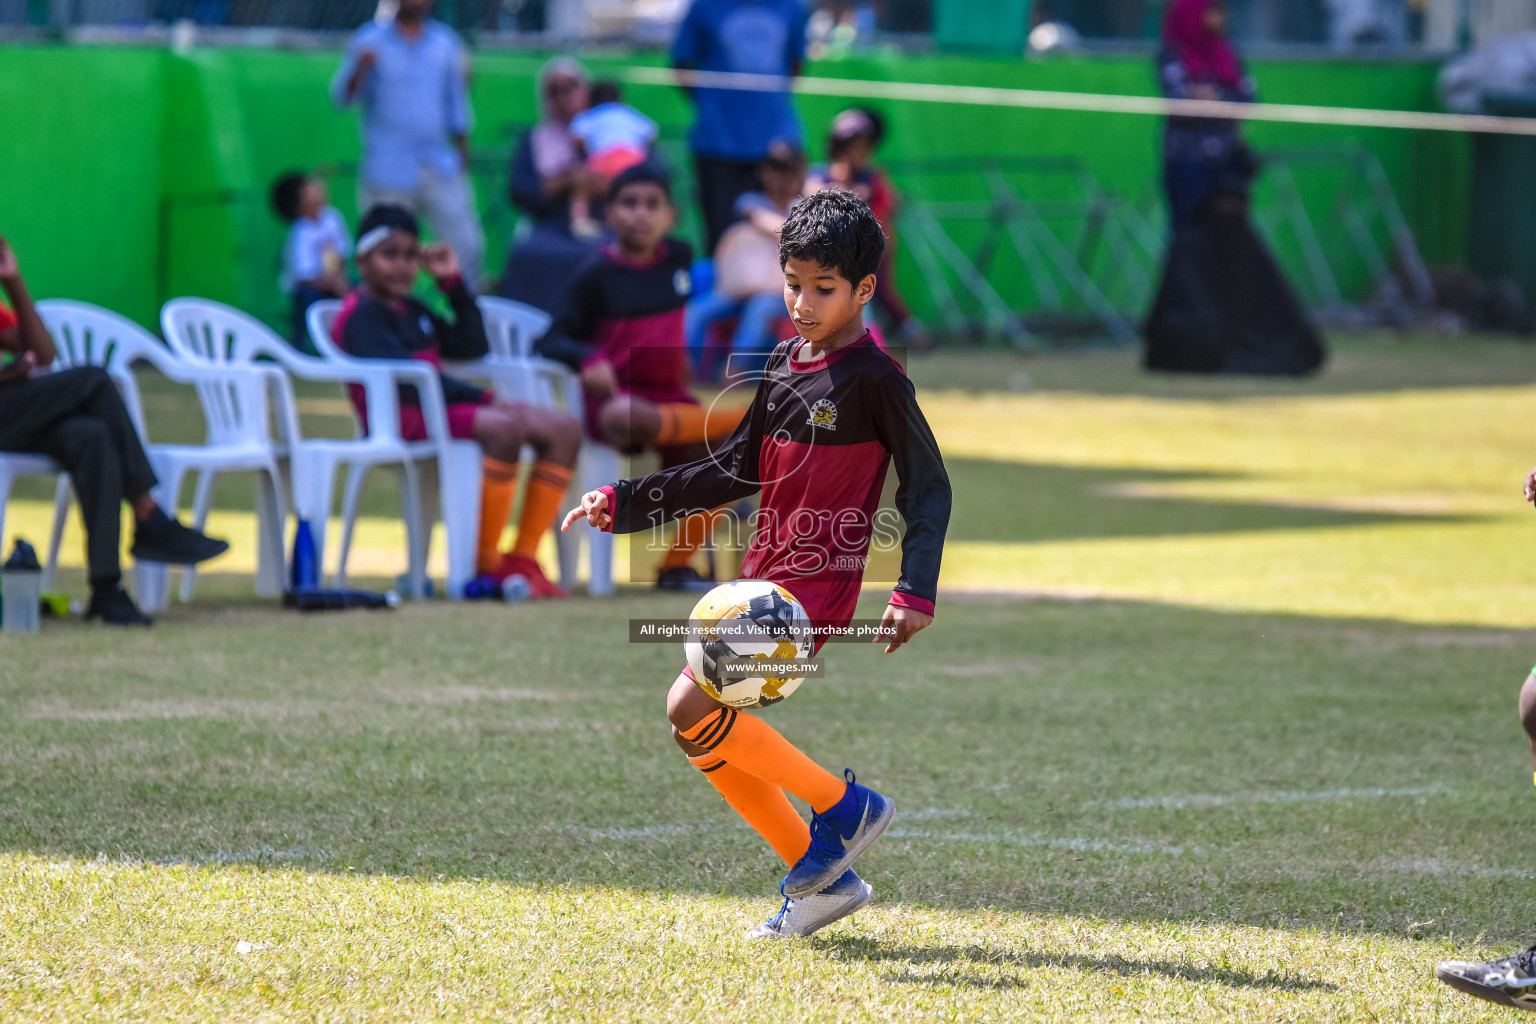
{"x":613,"y":504}
{"x":902,"y":599}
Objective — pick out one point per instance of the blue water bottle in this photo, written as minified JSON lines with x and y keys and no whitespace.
{"x":303,"y":570}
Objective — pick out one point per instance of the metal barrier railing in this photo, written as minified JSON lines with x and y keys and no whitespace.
{"x":1086,"y":261}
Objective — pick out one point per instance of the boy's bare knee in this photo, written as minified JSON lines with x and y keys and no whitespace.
{"x":502,"y":439}
{"x":616,"y":421}
{"x":564,"y":439}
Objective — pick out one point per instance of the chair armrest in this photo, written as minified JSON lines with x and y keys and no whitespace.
{"x":507,"y":377}
{"x":558,"y":379}
{"x":379,"y":379}
{"x":421,"y":376}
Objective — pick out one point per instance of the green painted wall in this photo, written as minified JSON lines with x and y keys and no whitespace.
{"x":134,"y":174}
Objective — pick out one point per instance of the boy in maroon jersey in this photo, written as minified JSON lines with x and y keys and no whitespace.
{"x":621,"y":329}
{"x":831,"y":413}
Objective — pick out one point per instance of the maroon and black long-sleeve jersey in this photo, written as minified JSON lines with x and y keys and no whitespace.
{"x":408,"y":329}
{"x":630,"y":315}
{"x":817,"y":442}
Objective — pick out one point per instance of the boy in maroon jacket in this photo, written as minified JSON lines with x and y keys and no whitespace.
{"x":831,"y":414}
{"x":622,"y":330}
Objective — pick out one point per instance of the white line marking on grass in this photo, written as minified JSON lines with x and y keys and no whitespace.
{"x":1441,"y":868}
{"x":255,"y":855}
{"x":1013,"y":838}
{"x":932,"y":813}
{"x":1003,"y":837}
{"x":1176,"y":803}
{"x":655,"y":831}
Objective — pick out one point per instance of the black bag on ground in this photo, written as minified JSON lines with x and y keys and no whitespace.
{"x":1225,"y":307}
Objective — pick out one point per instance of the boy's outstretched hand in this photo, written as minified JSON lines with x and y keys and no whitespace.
{"x":592,"y":506}
{"x":907,"y":622}
{"x":1530,"y":486}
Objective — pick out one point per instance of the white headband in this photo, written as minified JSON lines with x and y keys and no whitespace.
{"x":372,"y":239}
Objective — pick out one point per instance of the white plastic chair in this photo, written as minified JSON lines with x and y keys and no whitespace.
{"x":238,"y":437}
{"x":212,"y":333}
{"x":453,"y":490}
{"x":511,"y":329}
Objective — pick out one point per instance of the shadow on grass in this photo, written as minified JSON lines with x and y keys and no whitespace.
{"x":959,"y":966}
{"x":1358,"y":364}
{"x":1052,"y":503}
{"x":528,"y":744}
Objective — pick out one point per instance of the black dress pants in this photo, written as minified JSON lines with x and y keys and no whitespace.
{"x":77,"y":418}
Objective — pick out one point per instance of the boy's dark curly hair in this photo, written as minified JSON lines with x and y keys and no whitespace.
{"x":835,"y":229}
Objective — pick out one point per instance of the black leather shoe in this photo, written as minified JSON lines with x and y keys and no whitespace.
{"x":113,"y":606}
{"x":162,"y":539}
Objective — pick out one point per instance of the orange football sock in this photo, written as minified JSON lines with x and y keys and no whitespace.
{"x":755,"y":747}
{"x":498,"y":487}
{"x":763,"y":805}
{"x":546,"y":490}
{"x":692,"y":534}
{"x":687,"y":422}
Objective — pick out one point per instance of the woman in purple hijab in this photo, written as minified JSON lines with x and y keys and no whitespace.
{"x":1202,"y":157}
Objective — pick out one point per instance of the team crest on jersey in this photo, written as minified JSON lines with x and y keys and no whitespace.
{"x":823,"y":415}
{"x":682,"y":282}
{"x":425,"y":323}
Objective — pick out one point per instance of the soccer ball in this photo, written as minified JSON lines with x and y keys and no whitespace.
{"x":747,"y":619}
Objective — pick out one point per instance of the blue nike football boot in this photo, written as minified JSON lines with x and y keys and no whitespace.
{"x":838,"y":835}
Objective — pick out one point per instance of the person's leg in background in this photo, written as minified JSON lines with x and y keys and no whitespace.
{"x":369,"y":196}
{"x":1186,"y":182}
{"x":700,"y":315}
{"x":77,"y":418}
{"x":303,"y":297}
{"x":84,"y":447}
{"x":448,"y":203}
{"x":754,"y":338}
{"x":720,"y":183}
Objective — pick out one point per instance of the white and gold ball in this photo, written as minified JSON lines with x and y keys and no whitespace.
{"x":779,"y":630}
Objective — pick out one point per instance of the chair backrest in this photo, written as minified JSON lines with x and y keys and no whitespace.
{"x":87,"y":335}
{"x":320,"y":319}
{"x":204,"y":331}
{"x":512,"y":327}
{"x":210,"y":334}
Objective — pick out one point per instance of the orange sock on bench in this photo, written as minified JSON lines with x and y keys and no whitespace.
{"x":546,"y":490}
{"x":763,"y":805}
{"x":755,"y":747}
{"x":498,"y":486}
{"x":687,"y":422}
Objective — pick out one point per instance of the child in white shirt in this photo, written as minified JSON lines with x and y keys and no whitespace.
{"x":614,"y":137}
{"x":316,"y":250}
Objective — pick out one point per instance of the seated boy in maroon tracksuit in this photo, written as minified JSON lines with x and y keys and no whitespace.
{"x":830,"y":416}
{"x":622,"y":330}
{"x":380,"y":320}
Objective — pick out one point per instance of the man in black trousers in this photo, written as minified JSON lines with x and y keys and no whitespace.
{"x":77,"y":418}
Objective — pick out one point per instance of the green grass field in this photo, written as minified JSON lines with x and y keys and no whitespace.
{"x":1216,"y":723}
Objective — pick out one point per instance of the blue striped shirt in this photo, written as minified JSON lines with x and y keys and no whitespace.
{"x":414,"y":102}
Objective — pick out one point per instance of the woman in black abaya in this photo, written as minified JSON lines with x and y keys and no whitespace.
{"x":1224,"y":306}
